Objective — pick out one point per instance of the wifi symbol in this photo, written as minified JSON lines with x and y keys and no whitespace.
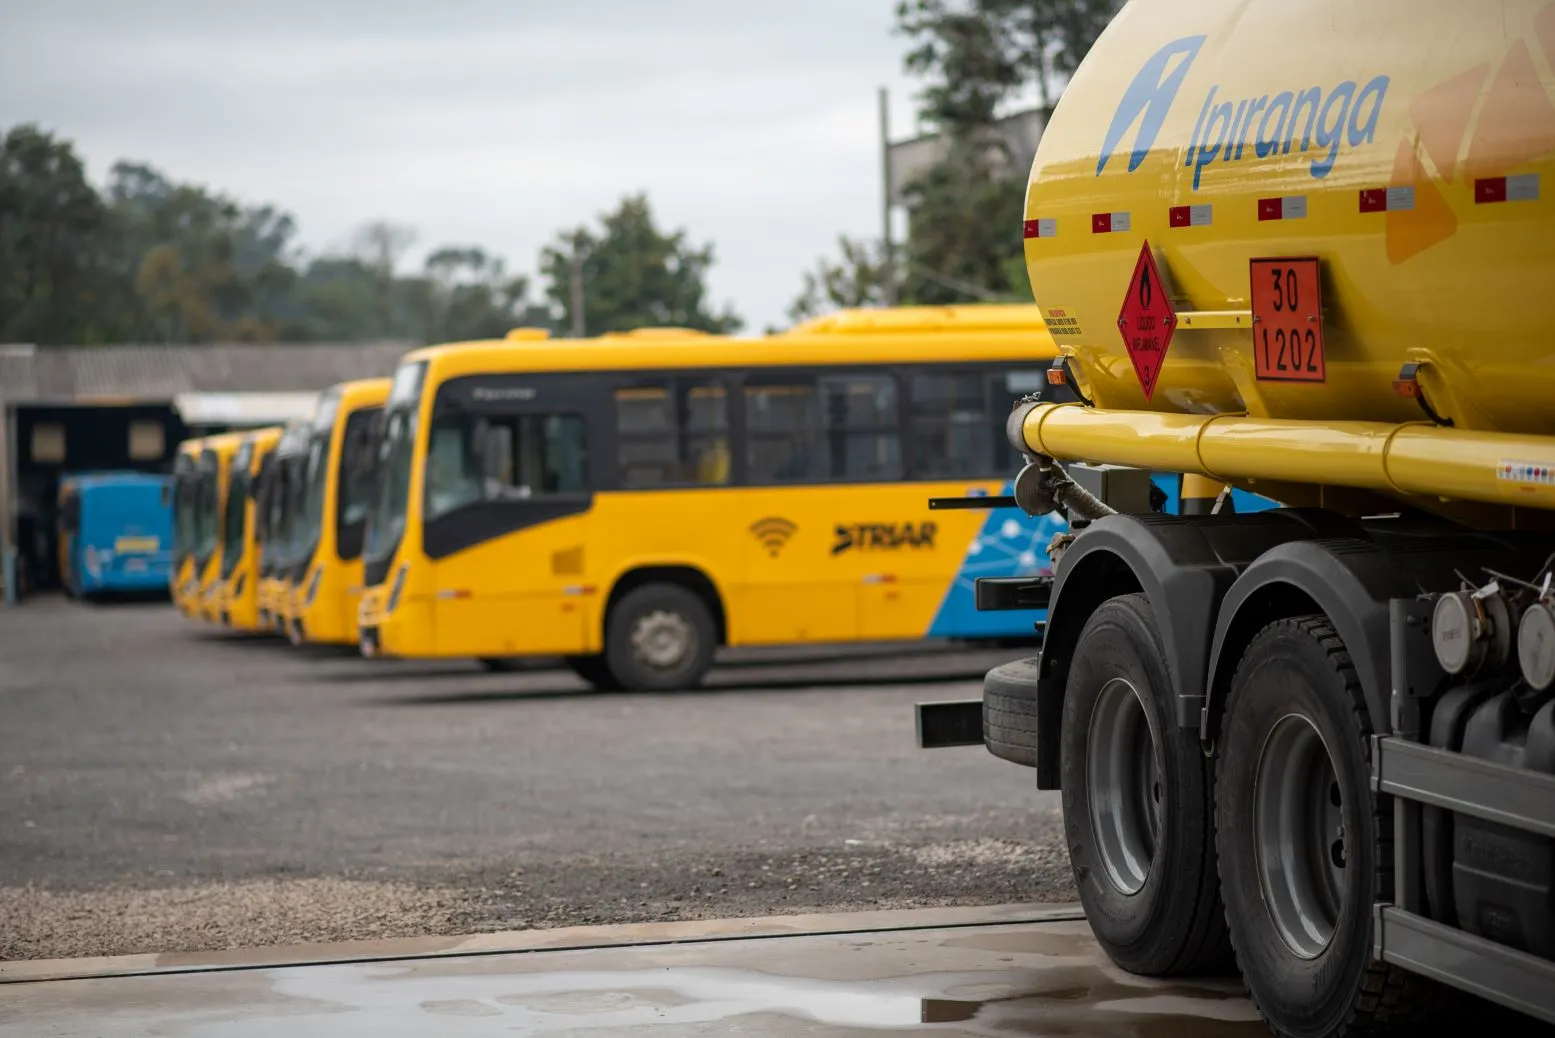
{"x":773,"y":533}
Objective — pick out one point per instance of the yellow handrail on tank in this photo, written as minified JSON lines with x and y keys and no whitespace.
{"x":1410,"y":459}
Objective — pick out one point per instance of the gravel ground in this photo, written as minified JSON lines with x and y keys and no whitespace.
{"x":166,"y":788}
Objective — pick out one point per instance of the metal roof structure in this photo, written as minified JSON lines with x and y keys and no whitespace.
{"x":108,"y":375}
{"x":223,"y":385}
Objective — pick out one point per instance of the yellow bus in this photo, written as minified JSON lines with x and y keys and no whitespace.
{"x":185,"y":490}
{"x":635,"y":501}
{"x":240,"y":530}
{"x":283,"y":491}
{"x":214,"y":472}
{"x":326,"y":578}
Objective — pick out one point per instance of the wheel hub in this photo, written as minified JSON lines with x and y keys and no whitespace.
{"x":1299,"y":829}
{"x":663,"y":639}
{"x":1127,"y":795}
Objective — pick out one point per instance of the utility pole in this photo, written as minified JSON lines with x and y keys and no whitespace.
{"x":578,"y":327}
{"x":887,"y":262}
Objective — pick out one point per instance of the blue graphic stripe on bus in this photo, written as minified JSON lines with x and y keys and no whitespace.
{"x":1010,"y":544}
{"x":1241,"y":501}
{"x":1014,"y":544}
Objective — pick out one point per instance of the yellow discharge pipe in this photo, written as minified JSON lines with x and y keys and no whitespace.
{"x":1415,"y":459}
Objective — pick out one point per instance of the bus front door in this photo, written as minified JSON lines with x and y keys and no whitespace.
{"x":508,"y":503}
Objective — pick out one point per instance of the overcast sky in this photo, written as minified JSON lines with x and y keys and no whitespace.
{"x":752,"y":125}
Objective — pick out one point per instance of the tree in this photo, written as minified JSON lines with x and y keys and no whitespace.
{"x":965,"y":212}
{"x":963,"y":233}
{"x":856,"y":279}
{"x":150,"y":258}
{"x":55,"y":278}
{"x":633,"y":275}
{"x":977,"y":53}
{"x":970,"y":69}
{"x":1049,"y":38}
{"x":205,"y":266}
{"x":468,"y":294}
{"x":338,"y":299}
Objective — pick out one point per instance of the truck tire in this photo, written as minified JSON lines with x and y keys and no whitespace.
{"x":658,"y":638}
{"x":1305,"y":849}
{"x":1137,"y":802}
{"x":1010,"y":712}
{"x":594,"y":669}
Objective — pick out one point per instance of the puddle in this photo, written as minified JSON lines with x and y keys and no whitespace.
{"x":1065,"y":1001}
{"x":943,"y":983}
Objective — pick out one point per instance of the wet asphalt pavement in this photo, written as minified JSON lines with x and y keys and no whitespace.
{"x":164,"y":787}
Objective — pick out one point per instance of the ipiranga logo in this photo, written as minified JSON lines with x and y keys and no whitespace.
{"x":1148,"y":98}
{"x":1305,"y":119}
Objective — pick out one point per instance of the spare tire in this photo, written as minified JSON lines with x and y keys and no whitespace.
{"x":1010,"y":712}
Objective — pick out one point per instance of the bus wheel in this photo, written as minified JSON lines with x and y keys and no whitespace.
{"x":1137,"y":802}
{"x":659,"y":637}
{"x":1305,"y":849}
{"x":595,"y":670}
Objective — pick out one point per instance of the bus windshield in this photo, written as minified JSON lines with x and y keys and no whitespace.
{"x":273,"y":529}
{"x":233,"y":521}
{"x":313,"y":479}
{"x":291,"y":488}
{"x":207,"y":532}
{"x":355,"y":483}
{"x":259,"y":489}
{"x":396,"y":454}
{"x":186,"y":486}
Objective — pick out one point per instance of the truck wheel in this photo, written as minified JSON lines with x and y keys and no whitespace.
{"x":1137,"y":802}
{"x":659,"y":637}
{"x":595,"y":670}
{"x":1305,"y":849}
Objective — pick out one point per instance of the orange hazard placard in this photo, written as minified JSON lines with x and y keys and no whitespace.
{"x":1287,"y":320}
{"x":1147,"y":321}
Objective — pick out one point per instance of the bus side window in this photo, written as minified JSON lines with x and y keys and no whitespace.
{"x":672,"y":432}
{"x":534,"y":455}
{"x":504,"y":457}
{"x":782,"y":426}
{"x":452,"y":475}
{"x":806,"y":429}
{"x":953,"y":431}
{"x":861,"y":427}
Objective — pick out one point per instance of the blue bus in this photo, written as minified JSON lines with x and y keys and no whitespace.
{"x":115,"y":533}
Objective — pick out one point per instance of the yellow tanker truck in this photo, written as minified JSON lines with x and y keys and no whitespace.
{"x":1305,"y":248}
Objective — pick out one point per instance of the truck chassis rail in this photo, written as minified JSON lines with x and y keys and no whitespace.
{"x":1417,"y":775}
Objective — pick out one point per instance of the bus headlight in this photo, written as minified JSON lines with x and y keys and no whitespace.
{"x":313,"y":586}
{"x":237,"y":588}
